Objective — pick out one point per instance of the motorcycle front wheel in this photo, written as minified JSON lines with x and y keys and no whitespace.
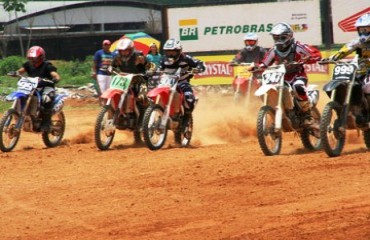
{"x":332,"y":138}
{"x":54,"y":137}
{"x":184,"y":134}
{"x":9,"y":135}
{"x":269,"y":140}
{"x":310,"y":137}
{"x":154,"y":134}
{"x":104,"y":128}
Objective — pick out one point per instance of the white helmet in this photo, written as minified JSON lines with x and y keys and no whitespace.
{"x":282,"y":34}
{"x":123,"y":45}
{"x":172,"y":48}
{"x":363,"y":27}
{"x":250,"y":41}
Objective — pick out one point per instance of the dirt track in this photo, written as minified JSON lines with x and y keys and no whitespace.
{"x":222,"y":187}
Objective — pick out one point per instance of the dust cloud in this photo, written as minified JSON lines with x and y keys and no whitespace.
{"x":217,"y":120}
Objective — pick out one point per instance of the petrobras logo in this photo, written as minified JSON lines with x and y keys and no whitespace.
{"x":188,"y":29}
{"x":348,"y":24}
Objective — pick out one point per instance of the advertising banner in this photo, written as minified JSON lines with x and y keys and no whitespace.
{"x":219,"y":28}
{"x":345,"y":15}
{"x":218,"y":71}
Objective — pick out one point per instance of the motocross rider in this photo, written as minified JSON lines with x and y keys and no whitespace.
{"x":286,"y":50}
{"x":173,"y":59}
{"x":129,"y":60}
{"x":38,"y":66}
{"x":251,"y":53}
{"x":361,"y":46}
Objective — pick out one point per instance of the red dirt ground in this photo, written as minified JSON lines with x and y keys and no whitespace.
{"x":222,"y":187}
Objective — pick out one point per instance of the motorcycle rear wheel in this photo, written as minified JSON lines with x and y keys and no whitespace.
{"x":269,"y":140}
{"x":9,"y":136}
{"x":104,"y":128}
{"x":332,"y":139}
{"x":184,"y":134}
{"x":154,"y":137}
{"x":311,"y":139}
{"x":54,"y":137}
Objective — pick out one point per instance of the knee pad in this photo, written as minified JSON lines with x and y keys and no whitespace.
{"x":190,"y":100}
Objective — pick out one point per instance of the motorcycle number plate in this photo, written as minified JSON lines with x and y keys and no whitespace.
{"x":272,"y":77}
{"x":166,"y":81}
{"x":344,"y":71}
{"x":26,"y":85}
{"x":120,"y":82}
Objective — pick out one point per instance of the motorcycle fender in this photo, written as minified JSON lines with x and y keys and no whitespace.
{"x":59,"y":103}
{"x":163,"y":92}
{"x":14,"y":95}
{"x":110,"y":93}
{"x":240,"y":81}
{"x":263,"y":90}
{"x":332,"y":84}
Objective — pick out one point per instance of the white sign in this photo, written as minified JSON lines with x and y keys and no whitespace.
{"x":218,"y":28}
{"x":345,"y":14}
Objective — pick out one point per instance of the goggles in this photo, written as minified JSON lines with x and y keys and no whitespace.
{"x":250,"y":42}
{"x":364,"y":31}
{"x":171,"y":53}
{"x":280,"y":38}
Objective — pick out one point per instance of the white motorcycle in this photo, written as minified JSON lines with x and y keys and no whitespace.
{"x":281,"y":112}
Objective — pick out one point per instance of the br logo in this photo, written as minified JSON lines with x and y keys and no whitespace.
{"x":188,"y":29}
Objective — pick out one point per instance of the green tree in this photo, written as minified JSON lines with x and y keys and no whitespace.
{"x":16,"y":6}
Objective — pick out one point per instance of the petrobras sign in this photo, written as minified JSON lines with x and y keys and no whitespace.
{"x":218,"y":28}
{"x":345,"y":17}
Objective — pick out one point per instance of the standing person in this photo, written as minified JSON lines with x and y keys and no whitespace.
{"x":153,"y":55}
{"x":287,"y":50}
{"x":102,"y":60}
{"x":361,"y":46}
{"x":38,"y":66}
{"x":173,"y":59}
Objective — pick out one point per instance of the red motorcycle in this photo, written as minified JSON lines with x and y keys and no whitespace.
{"x":166,"y":112}
{"x":120,"y":111}
{"x":244,"y":84}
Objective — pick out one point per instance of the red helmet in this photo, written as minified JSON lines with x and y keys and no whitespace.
{"x":36,"y":55}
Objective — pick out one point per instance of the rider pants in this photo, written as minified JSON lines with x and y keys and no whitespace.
{"x":185,"y":87}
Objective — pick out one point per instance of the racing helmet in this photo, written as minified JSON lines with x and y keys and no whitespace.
{"x":172,"y":49}
{"x":250,"y":41}
{"x":282,"y":35}
{"x":126,"y":48}
{"x":363,"y":27}
{"x":36,"y":56}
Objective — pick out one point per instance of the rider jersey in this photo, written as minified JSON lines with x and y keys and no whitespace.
{"x":185,"y":62}
{"x":129,"y":65}
{"x":43,"y":71}
{"x":362,"y":49}
{"x":245,"y":56}
{"x":296,"y":53}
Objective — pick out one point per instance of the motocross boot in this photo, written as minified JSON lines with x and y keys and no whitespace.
{"x":45,"y":123}
{"x":306,"y":112}
{"x":46,"y":112}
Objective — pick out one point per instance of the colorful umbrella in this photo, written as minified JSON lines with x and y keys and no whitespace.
{"x":141,"y":40}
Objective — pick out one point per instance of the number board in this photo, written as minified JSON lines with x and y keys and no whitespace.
{"x":121,"y":82}
{"x":344,"y":72}
{"x":272,"y":77}
{"x":26,"y":85}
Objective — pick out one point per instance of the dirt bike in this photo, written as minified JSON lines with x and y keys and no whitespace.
{"x":244,"y":83}
{"x":281,"y":112}
{"x":166,"y":112}
{"x":121,"y":110}
{"x":25,"y":114}
{"x":346,"y":108}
